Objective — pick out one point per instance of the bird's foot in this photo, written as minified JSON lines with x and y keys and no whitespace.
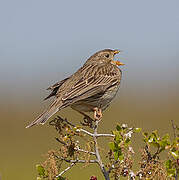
{"x":97,"y":114}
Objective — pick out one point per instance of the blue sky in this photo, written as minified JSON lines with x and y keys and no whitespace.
{"x":42,"y":41}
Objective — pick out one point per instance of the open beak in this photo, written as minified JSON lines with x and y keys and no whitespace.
{"x":118,"y":63}
{"x":116,"y":52}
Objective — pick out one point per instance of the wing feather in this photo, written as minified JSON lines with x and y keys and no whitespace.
{"x":95,"y":81}
{"x":54,"y":88}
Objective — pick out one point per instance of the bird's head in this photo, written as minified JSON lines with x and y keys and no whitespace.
{"x":105,"y":56}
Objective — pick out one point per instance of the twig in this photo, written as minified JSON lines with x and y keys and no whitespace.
{"x":85,"y":131}
{"x":72,"y":164}
{"x":112,"y":167}
{"x":132,"y":175}
{"x":94,"y":135}
{"x":65,"y":120}
{"x":156,"y":153}
{"x":97,"y":135}
{"x":174,"y":128}
{"x":76,"y":148}
{"x":105,"y":135}
{"x":82,"y":150}
{"x":61,"y":141}
{"x":79,"y":161}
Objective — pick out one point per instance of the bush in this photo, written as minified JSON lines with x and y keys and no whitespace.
{"x":120,"y":156}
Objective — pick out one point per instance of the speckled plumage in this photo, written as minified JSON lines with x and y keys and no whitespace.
{"x":94,"y":85}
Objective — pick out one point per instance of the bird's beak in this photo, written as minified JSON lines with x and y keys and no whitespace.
{"x":118,"y":63}
{"x":116,"y":52}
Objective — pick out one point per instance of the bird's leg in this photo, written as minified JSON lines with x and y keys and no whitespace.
{"x":97,"y":114}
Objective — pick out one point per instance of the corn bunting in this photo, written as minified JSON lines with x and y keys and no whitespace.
{"x":90,"y":89}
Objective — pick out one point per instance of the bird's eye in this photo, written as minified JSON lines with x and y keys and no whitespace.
{"x":107,"y":55}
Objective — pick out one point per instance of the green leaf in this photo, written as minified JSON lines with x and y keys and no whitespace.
{"x":40,"y":169}
{"x":165,"y":141}
{"x":145,"y":134}
{"x":115,"y":132}
{"x":166,"y":137}
{"x":39,"y":178}
{"x":127,"y":141}
{"x":171,"y":172}
{"x":155,"y":133}
{"x":116,"y":155}
{"x":151,"y":139}
{"x":119,"y":128}
{"x":61,"y":178}
{"x":121,"y":157}
{"x":168,"y":164}
{"x":112,"y":146}
{"x":118,"y":138}
{"x":174,"y":154}
{"x":155,"y":144}
{"x":137,"y":130}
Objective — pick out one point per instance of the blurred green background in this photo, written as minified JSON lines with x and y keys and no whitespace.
{"x":43,"y":41}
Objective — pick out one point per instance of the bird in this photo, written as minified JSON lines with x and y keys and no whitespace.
{"x":90,"y":89}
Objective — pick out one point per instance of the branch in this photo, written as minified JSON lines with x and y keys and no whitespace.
{"x":94,"y":135}
{"x":85,"y":131}
{"x":65,"y":170}
{"x":73,"y":162}
{"x":105,"y":135}
{"x":105,"y":173}
{"x":61,"y":141}
{"x":112,"y":167}
{"x":82,"y":150}
{"x":174,"y":128}
{"x":79,"y":161}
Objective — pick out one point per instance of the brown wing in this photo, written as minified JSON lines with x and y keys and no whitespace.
{"x":93,"y":79}
{"x":55,"y":88}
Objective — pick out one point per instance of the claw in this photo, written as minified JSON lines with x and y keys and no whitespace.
{"x":97,"y":114}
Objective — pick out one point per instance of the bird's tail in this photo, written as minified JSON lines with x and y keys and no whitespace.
{"x":41,"y":119}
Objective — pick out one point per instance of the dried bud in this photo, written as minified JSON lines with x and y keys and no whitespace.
{"x":93,"y":178}
{"x":131,"y":150}
{"x":124,"y":126}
